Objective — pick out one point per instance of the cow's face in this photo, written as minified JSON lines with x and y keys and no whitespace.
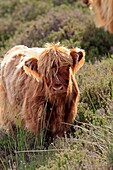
{"x":55,"y":75}
{"x":59,"y":80}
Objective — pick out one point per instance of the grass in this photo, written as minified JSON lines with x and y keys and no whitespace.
{"x":90,"y":148}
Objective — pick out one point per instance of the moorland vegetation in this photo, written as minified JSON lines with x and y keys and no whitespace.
{"x":89,"y":144}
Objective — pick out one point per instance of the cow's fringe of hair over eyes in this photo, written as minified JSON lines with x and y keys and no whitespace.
{"x":53,"y":56}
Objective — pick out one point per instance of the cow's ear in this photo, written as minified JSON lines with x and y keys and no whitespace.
{"x":78,"y":56}
{"x":31,"y":68}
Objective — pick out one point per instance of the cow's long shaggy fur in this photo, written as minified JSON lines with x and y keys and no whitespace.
{"x":103,"y":13}
{"x":38,"y":89}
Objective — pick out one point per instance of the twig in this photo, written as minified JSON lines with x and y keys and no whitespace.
{"x":51,"y":150}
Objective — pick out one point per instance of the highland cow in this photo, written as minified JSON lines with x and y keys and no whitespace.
{"x":103,"y":13}
{"x":38,"y":89}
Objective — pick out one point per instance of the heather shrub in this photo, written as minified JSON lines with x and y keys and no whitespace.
{"x":96,"y":42}
{"x":7,"y":7}
{"x":29,"y":10}
{"x":96,"y":87}
{"x":55,"y":27}
{"x":7,"y":31}
{"x":88,"y":150}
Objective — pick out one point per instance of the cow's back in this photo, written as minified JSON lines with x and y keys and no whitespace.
{"x":20,"y":90}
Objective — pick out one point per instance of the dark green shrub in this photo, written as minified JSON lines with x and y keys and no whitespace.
{"x":96,"y":42}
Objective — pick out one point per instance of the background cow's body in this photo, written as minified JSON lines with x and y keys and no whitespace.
{"x":38,"y":95}
{"x":103,"y":13}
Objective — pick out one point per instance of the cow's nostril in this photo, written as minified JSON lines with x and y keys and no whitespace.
{"x":57,"y":87}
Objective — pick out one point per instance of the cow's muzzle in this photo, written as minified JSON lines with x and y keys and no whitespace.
{"x":57,"y":87}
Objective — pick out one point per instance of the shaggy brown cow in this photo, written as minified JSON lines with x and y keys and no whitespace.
{"x":38,"y":89}
{"x":103,"y":13}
